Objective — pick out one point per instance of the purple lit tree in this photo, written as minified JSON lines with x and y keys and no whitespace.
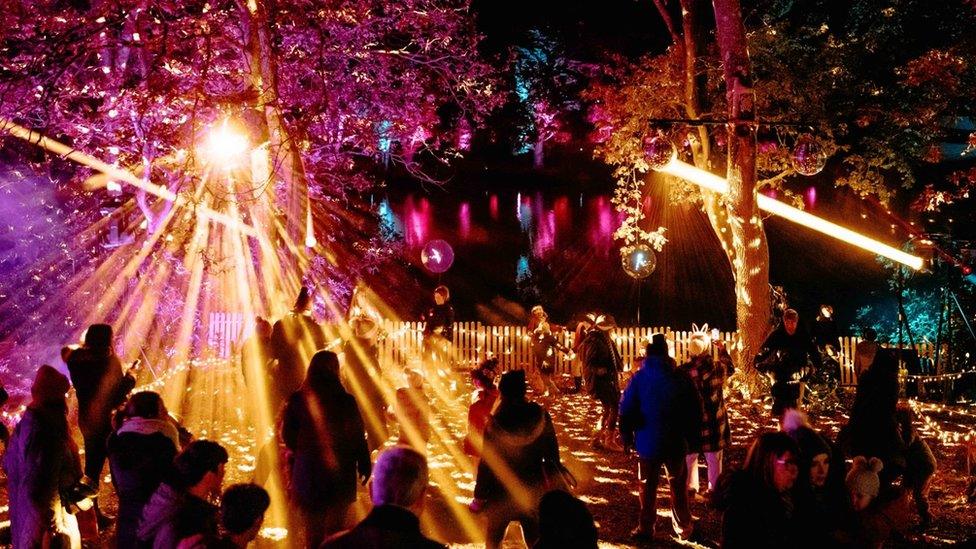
{"x":318,"y":98}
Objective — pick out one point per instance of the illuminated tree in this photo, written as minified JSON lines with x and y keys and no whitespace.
{"x":326,"y":95}
{"x":861,"y":86}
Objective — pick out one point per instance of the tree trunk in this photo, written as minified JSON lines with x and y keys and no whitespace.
{"x":750,"y":265}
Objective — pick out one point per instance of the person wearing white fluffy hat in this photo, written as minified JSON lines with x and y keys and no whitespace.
{"x":709,"y":375}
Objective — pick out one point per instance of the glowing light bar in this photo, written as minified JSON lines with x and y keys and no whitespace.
{"x":718,"y":184}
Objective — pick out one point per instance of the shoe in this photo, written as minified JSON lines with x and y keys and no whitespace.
{"x":641,"y":535}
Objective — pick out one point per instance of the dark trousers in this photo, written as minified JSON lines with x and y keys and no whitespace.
{"x":500,"y":513}
{"x":650,"y":473}
{"x":96,"y":451}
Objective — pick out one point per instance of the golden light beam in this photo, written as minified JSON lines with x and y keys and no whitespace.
{"x":718,"y":184}
{"x":118,"y":174}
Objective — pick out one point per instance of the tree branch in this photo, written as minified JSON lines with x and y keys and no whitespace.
{"x":662,"y":8}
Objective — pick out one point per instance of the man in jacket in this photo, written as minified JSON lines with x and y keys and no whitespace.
{"x":786,"y":356}
{"x":660,"y":412}
{"x":398,"y":489}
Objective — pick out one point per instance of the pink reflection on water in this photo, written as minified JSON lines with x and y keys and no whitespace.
{"x":417,"y":220}
{"x":603,"y":223}
{"x":464,"y":221}
{"x":545,"y":230}
{"x":493,"y":207}
{"x":564,"y":216}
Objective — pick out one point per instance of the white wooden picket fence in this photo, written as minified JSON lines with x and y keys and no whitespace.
{"x":401,"y":343}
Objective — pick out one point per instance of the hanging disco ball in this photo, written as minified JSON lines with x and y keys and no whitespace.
{"x":437,"y":256}
{"x":659,"y":151}
{"x":640,"y":262}
{"x":809,"y":157}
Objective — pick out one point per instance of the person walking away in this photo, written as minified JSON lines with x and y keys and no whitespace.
{"x":519,"y":447}
{"x":294,"y":339}
{"x":363,"y":379}
{"x":601,"y":371}
{"x":544,"y":349}
{"x":182,"y":505}
{"x":709,"y":376}
{"x":757,"y":502}
{"x":100,"y":386}
{"x":398,"y":490}
{"x":412,"y":410}
{"x":786,"y":357}
{"x":660,"y":414}
{"x":41,"y":463}
{"x":324,"y":433}
{"x":140,"y":456}
{"x":438,"y":328}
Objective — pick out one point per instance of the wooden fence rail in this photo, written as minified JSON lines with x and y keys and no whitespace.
{"x":401,"y":343}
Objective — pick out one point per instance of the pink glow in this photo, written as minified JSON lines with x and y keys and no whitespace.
{"x":602,"y":225}
{"x":564,"y":216}
{"x":417,"y":218}
{"x":464,"y":221}
{"x":493,"y":207}
{"x":811,"y":196}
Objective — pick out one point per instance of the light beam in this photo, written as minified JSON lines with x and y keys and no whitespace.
{"x":718,"y":184}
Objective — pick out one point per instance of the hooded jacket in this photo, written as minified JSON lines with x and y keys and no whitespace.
{"x":172,"y":515}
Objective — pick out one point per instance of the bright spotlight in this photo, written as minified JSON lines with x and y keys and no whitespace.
{"x":718,"y":184}
{"x":226,"y":145}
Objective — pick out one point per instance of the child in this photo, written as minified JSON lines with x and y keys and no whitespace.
{"x":480,"y":410}
{"x":875,"y":518}
{"x":412,"y":411}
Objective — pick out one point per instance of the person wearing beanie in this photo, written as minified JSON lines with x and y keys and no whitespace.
{"x":709,"y":375}
{"x":661,"y":415}
{"x":519,"y":447}
{"x":295,"y":337}
{"x":42,"y":464}
{"x":821,"y":500}
{"x":101,"y":386}
{"x":876,"y":514}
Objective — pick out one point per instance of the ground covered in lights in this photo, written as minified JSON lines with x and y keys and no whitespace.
{"x":606,"y":480}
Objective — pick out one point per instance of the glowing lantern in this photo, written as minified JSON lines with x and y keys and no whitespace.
{"x":809,"y":157}
{"x":437,"y":256}
{"x":639,"y":262}
{"x":659,"y":151}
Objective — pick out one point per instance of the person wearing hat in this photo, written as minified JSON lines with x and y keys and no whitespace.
{"x":294,"y":339}
{"x":820,"y":496}
{"x":660,"y":416}
{"x":519,"y":448}
{"x":876,"y":515}
{"x":602,"y":365}
{"x":42,"y":464}
{"x":101,"y":387}
{"x":709,"y":375}
{"x":362,"y":377}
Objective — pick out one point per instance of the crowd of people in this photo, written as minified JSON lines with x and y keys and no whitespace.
{"x":337,"y":412}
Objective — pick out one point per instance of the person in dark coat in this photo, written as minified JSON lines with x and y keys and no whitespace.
{"x":709,"y":376}
{"x":140,"y":456}
{"x":660,"y":413}
{"x":520,"y":447}
{"x":101,"y":386}
{"x":398,"y":490}
{"x":544,"y":349}
{"x":601,"y":375}
{"x":256,"y":354}
{"x":565,"y":523}
{"x":438,"y":326}
{"x":364,"y":380}
{"x":872,"y":430}
{"x":294,"y":339}
{"x":326,"y":440}
{"x":786,"y":357}
{"x":757,"y":502}
{"x":825,"y":330}
{"x":182,"y":506}
{"x":42,"y":463}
